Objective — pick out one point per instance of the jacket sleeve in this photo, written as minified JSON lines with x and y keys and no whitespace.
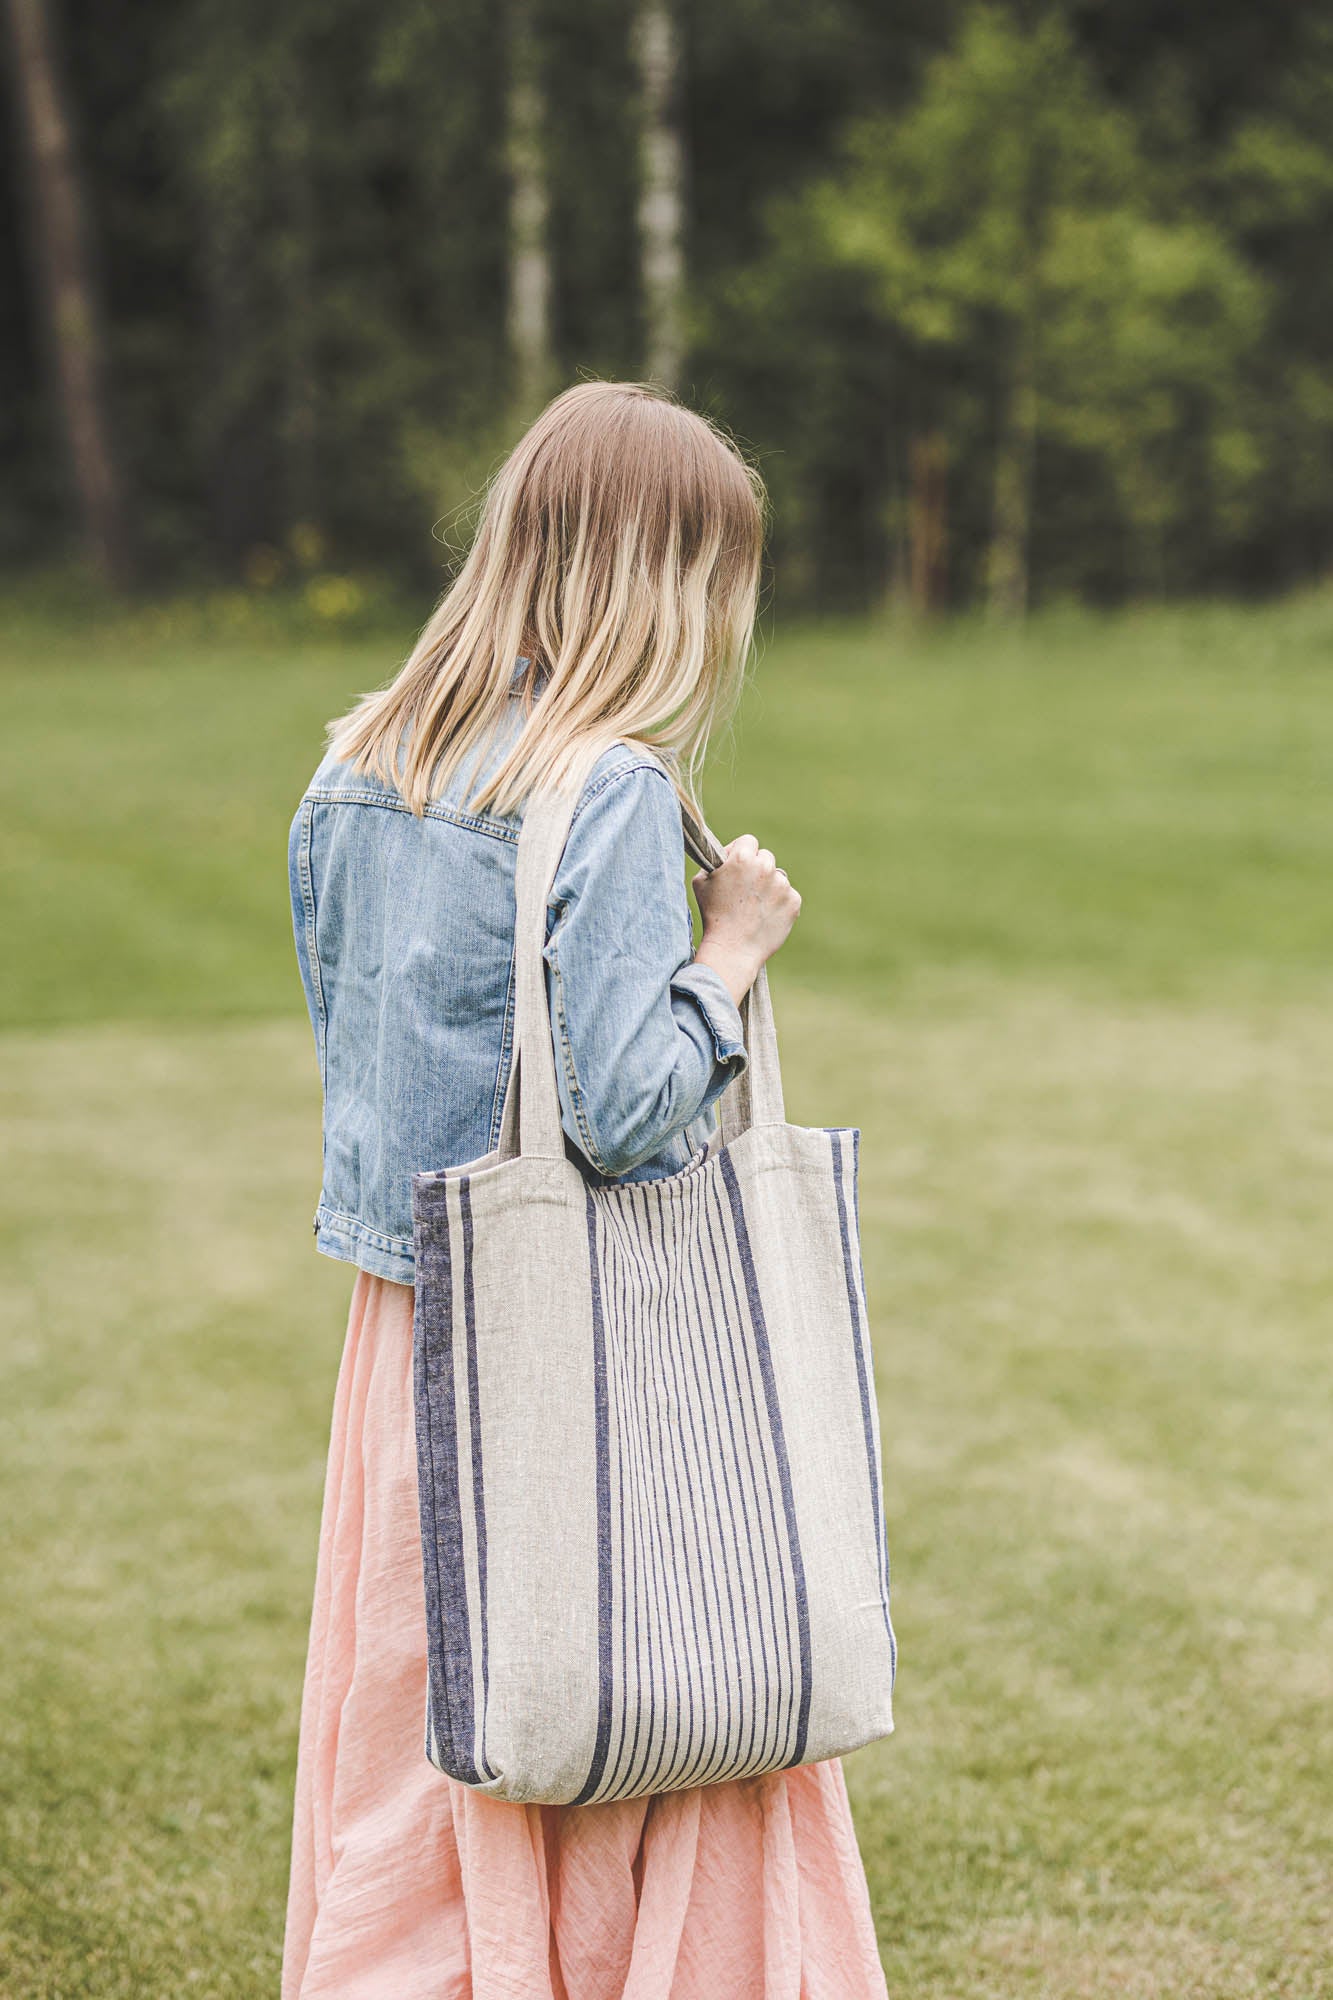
{"x":645,"y":1039}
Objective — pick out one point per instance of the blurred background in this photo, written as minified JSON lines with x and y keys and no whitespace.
{"x":1013,"y":302}
{"x":1024,"y":313}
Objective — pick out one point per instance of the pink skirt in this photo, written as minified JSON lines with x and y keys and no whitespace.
{"x":408,"y":1886}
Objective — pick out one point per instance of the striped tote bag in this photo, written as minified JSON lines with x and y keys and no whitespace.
{"x":647,"y":1441}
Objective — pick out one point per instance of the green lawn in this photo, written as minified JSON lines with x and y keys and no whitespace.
{"x":1065,"y":956}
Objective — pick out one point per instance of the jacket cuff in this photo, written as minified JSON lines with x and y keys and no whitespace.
{"x":708,"y":991}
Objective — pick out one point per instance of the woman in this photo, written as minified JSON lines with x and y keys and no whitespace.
{"x":596,"y":633}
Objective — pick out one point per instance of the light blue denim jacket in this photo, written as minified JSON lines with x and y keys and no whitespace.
{"x":405,"y":938}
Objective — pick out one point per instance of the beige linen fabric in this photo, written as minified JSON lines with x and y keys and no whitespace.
{"x":648,"y":1446}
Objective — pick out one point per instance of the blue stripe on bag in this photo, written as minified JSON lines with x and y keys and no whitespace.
{"x":478,"y":1487}
{"x":451,"y":1697}
{"x":604,"y":1673}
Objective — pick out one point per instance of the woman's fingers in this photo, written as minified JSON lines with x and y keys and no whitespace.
{"x":748,"y":907}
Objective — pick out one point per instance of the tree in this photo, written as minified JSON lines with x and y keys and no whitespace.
{"x":72,"y":319}
{"x":1274,"y":183}
{"x":1007,"y":222}
{"x":661,"y":195}
{"x":529,"y":207}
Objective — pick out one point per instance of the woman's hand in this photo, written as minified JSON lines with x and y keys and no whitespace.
{"x":748,"y":908}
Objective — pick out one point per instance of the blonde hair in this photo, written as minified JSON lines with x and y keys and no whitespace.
{"x":619,"y":551}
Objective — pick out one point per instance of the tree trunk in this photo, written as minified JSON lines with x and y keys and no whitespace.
{"x":529,"y":208}
{"x":1007,"y":581}
{"x":928,"y":520}
{"x":897,"y":522}
{"x":72,"y":321}
{"x":661,"y":192}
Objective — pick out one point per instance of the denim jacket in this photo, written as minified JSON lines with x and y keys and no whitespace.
{"x":404,"y":932}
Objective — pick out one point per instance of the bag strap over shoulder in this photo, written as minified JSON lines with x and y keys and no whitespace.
{"x":530,"y":1122}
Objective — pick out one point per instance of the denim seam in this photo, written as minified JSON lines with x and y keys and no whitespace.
{"x":497,"y":829}
{"x":312,"y":947}
{"x":387,"y":802}
{"x":354,"y":1223}
{"x":504,"y":1067}
{"x":571,"y":1074}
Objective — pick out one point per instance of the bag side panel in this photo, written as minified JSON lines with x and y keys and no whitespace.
{"x":797,"y":1187}
{"x":536,"y":1459}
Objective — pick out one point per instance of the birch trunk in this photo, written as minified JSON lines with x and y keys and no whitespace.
{"x":661,"y":192}
{"x":71,"y":319}
{"x":529,"y":325}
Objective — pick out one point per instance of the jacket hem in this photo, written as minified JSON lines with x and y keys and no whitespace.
{"x":343,"y":1237}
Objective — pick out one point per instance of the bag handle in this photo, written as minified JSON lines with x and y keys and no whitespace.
{"x":755,"y":1098}
{"x":530,"y":1121}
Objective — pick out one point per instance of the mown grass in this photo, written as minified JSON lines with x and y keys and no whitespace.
{"x":1065,"y":957}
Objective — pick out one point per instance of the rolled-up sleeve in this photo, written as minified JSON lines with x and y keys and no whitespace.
{"x":645,"y":1038}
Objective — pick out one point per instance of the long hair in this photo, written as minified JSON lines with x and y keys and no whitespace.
{"x":619,"y":551}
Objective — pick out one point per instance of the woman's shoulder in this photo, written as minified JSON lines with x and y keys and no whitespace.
{"x":622,"y":762}
{"x":627,"y":823}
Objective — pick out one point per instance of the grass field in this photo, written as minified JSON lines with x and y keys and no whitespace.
{"x":1066,"y":956}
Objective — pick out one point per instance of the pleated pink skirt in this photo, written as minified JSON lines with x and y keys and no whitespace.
{"x":408,"y":1886}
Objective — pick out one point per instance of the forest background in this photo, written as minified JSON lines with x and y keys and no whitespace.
{"x":1011,"y":303}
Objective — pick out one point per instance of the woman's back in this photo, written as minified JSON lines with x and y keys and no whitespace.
{"x":404,"y":928}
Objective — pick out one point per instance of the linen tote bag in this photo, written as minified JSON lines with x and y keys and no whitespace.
{"x":648,"y":1449}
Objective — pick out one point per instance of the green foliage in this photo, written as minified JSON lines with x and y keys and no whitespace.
{"x":949,"y":204}
{"x":1013,"y":207}
{"x":1147,"y":330}
{"x":1274,"y":183}
{"x":1085,"y":249}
